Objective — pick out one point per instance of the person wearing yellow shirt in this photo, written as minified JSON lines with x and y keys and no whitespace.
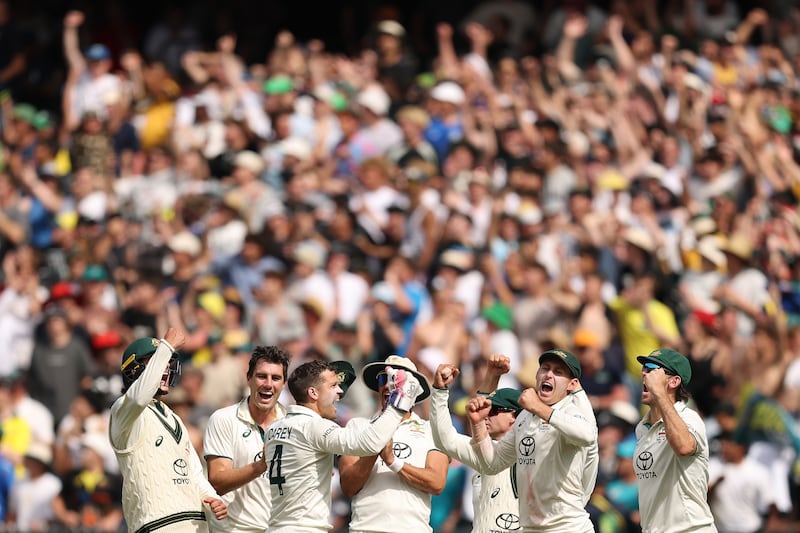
{"x":15,"y":433}
{"x":644,"y":323}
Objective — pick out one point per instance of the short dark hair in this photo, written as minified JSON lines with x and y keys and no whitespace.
{"x":305,"y":376}
{"x":270,"y":354}
{"x":682,"y":393}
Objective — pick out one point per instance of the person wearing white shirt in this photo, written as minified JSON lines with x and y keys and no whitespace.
{"x":406,"y":472}
{"x":740,"y":489}
{"x":494,"y":497}
{"x":30,"y":504}
{"x":163,"y":481}
{"x":553,"y":444}
{"x":301,"y":446}
{"x":671,"y":455}
{"x":234,"y":443}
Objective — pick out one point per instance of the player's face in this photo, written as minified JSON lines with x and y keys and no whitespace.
{"x":553,"y":381}
{"x":383,"y":389}
{"x":328,"y":394}
{"x":266,"y":385}
{"x":499,"y":422}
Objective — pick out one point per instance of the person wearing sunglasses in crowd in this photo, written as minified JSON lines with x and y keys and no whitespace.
{"x":671,"y":455}
{"x":407,"y":472}
{"x":552,"y":444}
{"x":494,"y":497}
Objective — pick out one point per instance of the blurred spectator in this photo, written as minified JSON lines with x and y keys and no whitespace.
{"x":31,"y":500}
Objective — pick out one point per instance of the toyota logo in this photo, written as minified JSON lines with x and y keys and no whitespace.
{"x":180,"y":467}
{"x":507,"y":521}
{"x":527,"y":445}
{"x":401,"y":450}
{"x":644,"y":461}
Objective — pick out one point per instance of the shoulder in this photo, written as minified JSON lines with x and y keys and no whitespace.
{"x":225,"y":416}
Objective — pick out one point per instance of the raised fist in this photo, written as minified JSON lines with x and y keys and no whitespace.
{"x":403,"y":389}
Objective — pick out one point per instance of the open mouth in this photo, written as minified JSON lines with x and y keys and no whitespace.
{"x":547,"y":387}
{"x":265,"y":396}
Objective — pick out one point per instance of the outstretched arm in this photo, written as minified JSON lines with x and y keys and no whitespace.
{"x":76,"y":61}
{"x":139,"y":394}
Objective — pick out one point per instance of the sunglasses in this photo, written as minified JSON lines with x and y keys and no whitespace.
{"x":494,"y":411}
{"x":649,"y":367}
{"x":382,"y":378}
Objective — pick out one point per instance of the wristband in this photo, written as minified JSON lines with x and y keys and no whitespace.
{"x":439,"y":388}
{"x":397,"y":465}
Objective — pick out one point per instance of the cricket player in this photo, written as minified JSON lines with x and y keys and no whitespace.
{"x":671,"y":455}
{"x":406,"y":473}
{"x":164,"y":487}
{"x":553,"y":444}
{"x":234,"y":443}
{"x":301,"y":446}
{"x":494,"y":497}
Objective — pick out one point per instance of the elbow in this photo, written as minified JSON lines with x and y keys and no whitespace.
{"x":220,"y":487}
{"x":348,"y":489}
{"x":686,"y":449}
{"x":437,"y":486}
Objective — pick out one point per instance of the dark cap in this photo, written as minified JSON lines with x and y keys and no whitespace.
{"x":565,"y":357}
{"x":506,"y":399}
{"x":671,"y":360}
{"x":345,"y":373}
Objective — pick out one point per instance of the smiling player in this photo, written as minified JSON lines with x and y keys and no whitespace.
{"x":234,"y":442}
{"x":301,"y":446}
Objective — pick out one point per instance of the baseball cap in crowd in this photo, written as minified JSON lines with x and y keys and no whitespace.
{"x":498,"y":314}
{"x":25,"y":113}
{"x":278,"y":84}
{"x":54,"y":311}
{"x":391,"y":27}
{"x":375,"y":100}
{"x":670,"y":360}
{"x":185,"y":243}
{"x":640,"y":238}
{"x":345,"y":373}
{"x":565,"y":357}
{"x":108,"y":339}
{"x":249,"y":160}
{"x":739,"y":245}
{"x":94,"y":273}
{"x":309,"y":253}
{"x":40,"y":452}
{"x":585,"y":338}
{"x":505,"y":399}
{"x":708,"y":248}
{"x":449,"y":92}
{"x":373,"y":370}
{"x":612,"y":180}
{"x":296,"y":147}
{"x":98,"y":52}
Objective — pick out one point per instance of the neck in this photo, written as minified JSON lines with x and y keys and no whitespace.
{"x":263,"y":418}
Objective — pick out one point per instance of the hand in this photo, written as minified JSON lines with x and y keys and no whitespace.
{"x":530,"y":401}
{"x":575,"y":27}
{"x":758,"y":17}
{"x":175,"y":338}
{"x":73,"y":19}
{"x":217,"y":507}
{"x":656,"y":381}
{"x":497,"y":365}
{"x":403,"y":389}
{"x":445,"y":375}
{"x":387,"y":453}
{"x":478,"y":408}
{"x":444,"y":31}
{"x":615,"y":25}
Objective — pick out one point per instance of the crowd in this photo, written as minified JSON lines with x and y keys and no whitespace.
{"x":608,"y":178}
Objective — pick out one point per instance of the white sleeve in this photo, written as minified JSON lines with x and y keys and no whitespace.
{"x":257,"y":120}
{"x":127,"y":408}
{"x":218,"y":436}
{"x":354,"y":439}
{"x":576,"y":425}
{"x":460,"y":446}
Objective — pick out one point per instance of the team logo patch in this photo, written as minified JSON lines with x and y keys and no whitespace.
{"x":507,"y":521}
{"x":180,"y":467}
{"x":159,"y":440}
{"x":645,"y":461}
{"x":401,"y":450}
{"x":527,"y":445}
{"x":246,"y":433}
{"x":495,"y":492}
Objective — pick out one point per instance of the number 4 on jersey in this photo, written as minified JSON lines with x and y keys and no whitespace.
{"x":275,"y":465}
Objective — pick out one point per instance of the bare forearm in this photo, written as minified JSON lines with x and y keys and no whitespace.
{"x":225,"y":481}
{"x":72,"y":50}
{"x":427,"y":480}
{"x":354,"y":473}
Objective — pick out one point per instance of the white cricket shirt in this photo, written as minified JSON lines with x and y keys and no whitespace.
{"x":672,"y":489}
{"x":231,"y":432}
{"x":300,"y":450}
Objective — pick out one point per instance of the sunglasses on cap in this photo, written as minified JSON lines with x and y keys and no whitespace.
{"x":496,"y":410}
{"x":649,"y":367}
